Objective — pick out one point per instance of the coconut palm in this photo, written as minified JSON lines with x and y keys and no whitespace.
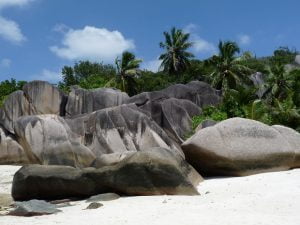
{"x":176,"y":58}
{"x":279,"y":82}
{"x":229,"y":70}
{"x":127,"y":70}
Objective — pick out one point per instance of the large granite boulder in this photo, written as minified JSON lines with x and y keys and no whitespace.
{"x":172,"y":108}
{"x":15,"y":106}
{"x":37,"y":97}
{"x":47,"y":139}
{"x":10,"y":151}
{"x":293,"y":138}
{"x":200,"y":93}
{"x":120,"y":129}
{"x":238,"y":147}
{"x":153,"y":172}
{"x":44,"y":98}
{"x":173,"y":115}
{"x":81,"y":101}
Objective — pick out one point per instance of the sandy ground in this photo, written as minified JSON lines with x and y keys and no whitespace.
{"x":263,"y":199}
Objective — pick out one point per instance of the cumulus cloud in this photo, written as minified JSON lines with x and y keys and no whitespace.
{"x":244,"y":39}
{"x":200,"y":45}
{"x":5,"y":63}
{"x":48,"y":75}
{"x":10,"y":3}
{"x":10,"y":30}
{"x":152,"y":65}
{"x":92,"y":43}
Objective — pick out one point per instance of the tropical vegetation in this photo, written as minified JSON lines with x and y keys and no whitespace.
{"x":260,"y":88}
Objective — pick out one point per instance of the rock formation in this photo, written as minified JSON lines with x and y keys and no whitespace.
{"x":241,"y":147}
{"x":48,"y":140}
{"x":153,"y":172}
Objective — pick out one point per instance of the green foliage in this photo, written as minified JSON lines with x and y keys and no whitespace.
{"x":127,"y":72}
{"x":229,"y":70}
{"x":286,"y":113}
{"x":87,"y":75}
{"x":209,"y":113}
{"x":284,"y":55}
{"x":176,"y":58}
{"x":9,"y":86}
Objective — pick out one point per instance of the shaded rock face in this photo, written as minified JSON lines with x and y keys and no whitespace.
{"x":238,"y":147}
{"x":120,"y":129}
{"x":198,"y":92}
{"x":47,"y":139}
{"x":153,"y":172}
{"x":293,"y":138}
{"x":173,"y":107}
{"x":99,"y":123}
{"x":173,"y":115}
{"x":81,"y":101}
{"x":10,"y":150}
{"x":37,"y":97}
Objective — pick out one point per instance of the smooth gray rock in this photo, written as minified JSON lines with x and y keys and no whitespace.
{"x":44,"y":98}
{"x":238,"y":147}
{"x":33,"y":208}
{"x":15,"y":106}
{"x":173,"y":115}
{"x":293,"y":138}
{"x":111,"y":158}
{"x":48,"y":140}
{"x":94,"y":205}
{"x":103,"y":197}
{"x":81,"y":101}
{"x":10,"y":150}
{"x":120,"y":129}
{"x":37,"y":97}
{"x":200,"y":93}
{"x":153,"y":172}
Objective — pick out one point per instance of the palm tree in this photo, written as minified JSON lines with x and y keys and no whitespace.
{"x":127,"y":70}
{"x":229,"y":70}
{"x":279,"y":82}
{"x":176,"y":58}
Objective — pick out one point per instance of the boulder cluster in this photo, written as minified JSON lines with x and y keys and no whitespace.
{"x":90,"y":142}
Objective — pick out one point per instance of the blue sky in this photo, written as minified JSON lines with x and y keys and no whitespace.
{"x":39,"y":37}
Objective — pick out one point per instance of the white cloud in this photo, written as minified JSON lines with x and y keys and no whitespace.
{"x":48,"y":75}
{"x":200,"y":45}
{"x":5,"y":63}
{"x":92,"y":43}
{"x":61,"y":28}
{"x":152,"y":65}
{"x":10,"y":3}
{"x":190,"y":28}
{"x":244,"y":39}
{"x":9,"y":30}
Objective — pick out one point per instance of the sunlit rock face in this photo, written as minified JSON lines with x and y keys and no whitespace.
{"x":81,"y":101}
{"x":241,"y":147}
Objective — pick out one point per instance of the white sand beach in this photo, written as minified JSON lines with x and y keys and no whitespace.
{"x":263,"y":199}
